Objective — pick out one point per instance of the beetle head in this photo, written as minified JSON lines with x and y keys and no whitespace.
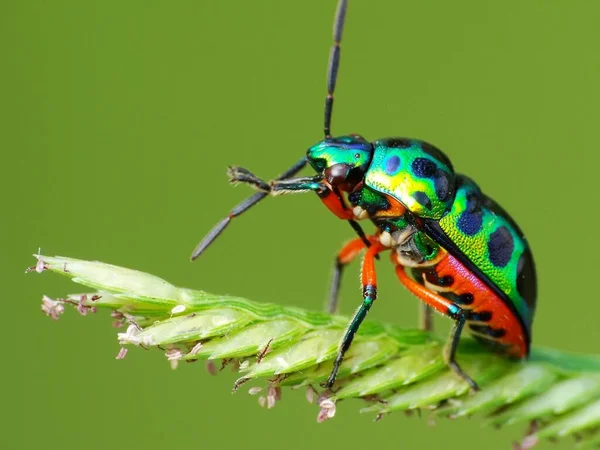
{"x":343,"y":161}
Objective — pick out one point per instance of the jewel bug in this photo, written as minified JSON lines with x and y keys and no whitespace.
{"x":452,"y":246}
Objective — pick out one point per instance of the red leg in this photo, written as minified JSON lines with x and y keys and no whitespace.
{"x":369,"y":283}
{"x":368,"y":276}
{"x":334,"y":201}
{"x":352,"y":248}
{"x":437,"y":302}
{"x":349,"y":251}
{"x":447,"y":308}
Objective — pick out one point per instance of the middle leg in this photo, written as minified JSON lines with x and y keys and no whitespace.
{"x":369,"y":286}
{"x":347,"y":254}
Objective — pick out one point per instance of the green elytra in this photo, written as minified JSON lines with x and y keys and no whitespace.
{"x":442,"y":216}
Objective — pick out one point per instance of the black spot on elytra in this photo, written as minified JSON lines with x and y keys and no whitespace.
{"x":422,"y":198}
{"x":488,"y":331}
{"x":482,"y":316}
{"x":445,"y":281}
{"x":424,"y":168}
{"x":464,"y":299}
{"x":459,"y":300}
{"x":436,"y":153}
{"x":525,"y":275}
{"x":435,"y":279}
{"x":526,"y":280}
{"x":471,"y":219}
{"x":399,"y":143}
{"x":441,"y":181}
{"x":500,"y":247}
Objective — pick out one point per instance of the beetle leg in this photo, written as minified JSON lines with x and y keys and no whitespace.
{"x":447,"y":308}
{"x":335,"y":202}
{"x":459,"y":317}
{"x":240,"y":209}
{"x":331,"y":198}
{"x":349,"y":251}
{"x":426,"y":317}
{"x":369,"y":286}
{"x":290,"y":185}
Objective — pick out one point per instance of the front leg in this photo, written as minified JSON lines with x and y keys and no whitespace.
{"x":277,"y":187}
{"x":331,"y":197}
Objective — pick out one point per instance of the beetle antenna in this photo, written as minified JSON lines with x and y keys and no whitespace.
{"x":334,"y":62}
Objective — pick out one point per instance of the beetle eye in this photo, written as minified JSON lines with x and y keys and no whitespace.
{"x":357,"y":155}
{"x":337,"y":174}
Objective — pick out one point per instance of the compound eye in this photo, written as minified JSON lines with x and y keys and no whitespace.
{"x":337,"y":174}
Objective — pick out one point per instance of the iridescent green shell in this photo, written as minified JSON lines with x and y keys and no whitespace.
{"x":354,"y":151}
{"x":417,"y":174}
{"x":479,"y":229}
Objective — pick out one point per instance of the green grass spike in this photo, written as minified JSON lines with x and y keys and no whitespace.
{"x":394,"y":369}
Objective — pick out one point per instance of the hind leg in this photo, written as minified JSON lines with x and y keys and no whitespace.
{"x":425,"y":317}
{"x":447,"y":308}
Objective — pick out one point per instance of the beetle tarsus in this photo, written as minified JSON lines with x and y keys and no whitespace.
{"x":240,"y":175}
{"x":450,"y":353}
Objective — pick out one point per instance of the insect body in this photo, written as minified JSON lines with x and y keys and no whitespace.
{"x":452,"y":246}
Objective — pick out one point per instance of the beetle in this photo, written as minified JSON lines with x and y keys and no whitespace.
{"x":452,"y":246}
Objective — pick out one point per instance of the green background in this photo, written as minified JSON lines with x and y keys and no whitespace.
{"x":118,"y":120}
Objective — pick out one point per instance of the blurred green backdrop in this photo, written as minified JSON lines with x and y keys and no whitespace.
{"x":119,"y":119}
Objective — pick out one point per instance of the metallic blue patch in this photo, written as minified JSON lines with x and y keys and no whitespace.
{"x":392,"y":164}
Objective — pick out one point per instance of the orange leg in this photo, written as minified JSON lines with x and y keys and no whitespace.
{"x":437,"y":302}
{"x":335,"y":203}
{"x":333,"y":199}
{"x":447,"y":308}
{"x":369,"y":286}
{"x":349,"y":251}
